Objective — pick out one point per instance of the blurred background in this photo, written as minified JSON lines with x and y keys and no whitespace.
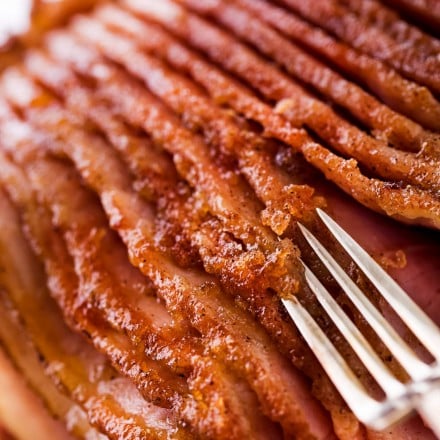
{"x":14,"y":17}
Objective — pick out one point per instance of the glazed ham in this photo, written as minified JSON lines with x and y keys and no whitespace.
{"x":155,"y":158}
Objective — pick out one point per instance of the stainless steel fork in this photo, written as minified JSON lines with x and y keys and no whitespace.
{"x":422,"y":392}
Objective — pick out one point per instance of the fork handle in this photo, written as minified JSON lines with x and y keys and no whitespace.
{"x":429,"y":408}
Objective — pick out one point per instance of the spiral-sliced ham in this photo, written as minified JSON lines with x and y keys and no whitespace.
{"x":155,"y":158}
{"x":404,"y":96}
{"x":196,"y":295}
{"x":419,"y":61}
{"x":81,"y":372}
{"x":412,"y":203}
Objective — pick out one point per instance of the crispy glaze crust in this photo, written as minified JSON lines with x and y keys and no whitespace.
{"x":157,"y":158}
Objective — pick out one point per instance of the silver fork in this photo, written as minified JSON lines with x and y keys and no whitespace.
{"x":422,"y":392}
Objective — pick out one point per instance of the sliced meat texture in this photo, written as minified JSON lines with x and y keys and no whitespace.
{"x":156,"y":158}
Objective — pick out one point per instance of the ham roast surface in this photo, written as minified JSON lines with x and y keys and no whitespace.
{"x":155,"y":159}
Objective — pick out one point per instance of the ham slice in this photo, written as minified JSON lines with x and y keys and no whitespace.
{"x":156,"y":158}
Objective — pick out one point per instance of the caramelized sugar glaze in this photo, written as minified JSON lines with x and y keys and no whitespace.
{"x":155,"y":157}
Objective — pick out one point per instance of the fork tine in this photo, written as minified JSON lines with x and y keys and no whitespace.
{"x":363,"y":406}
{"x":407,"y":358}
{"x":421,"y":325}
{"x":392,"y":387}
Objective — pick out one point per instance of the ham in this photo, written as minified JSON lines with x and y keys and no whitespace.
{"x":156,"y":158}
